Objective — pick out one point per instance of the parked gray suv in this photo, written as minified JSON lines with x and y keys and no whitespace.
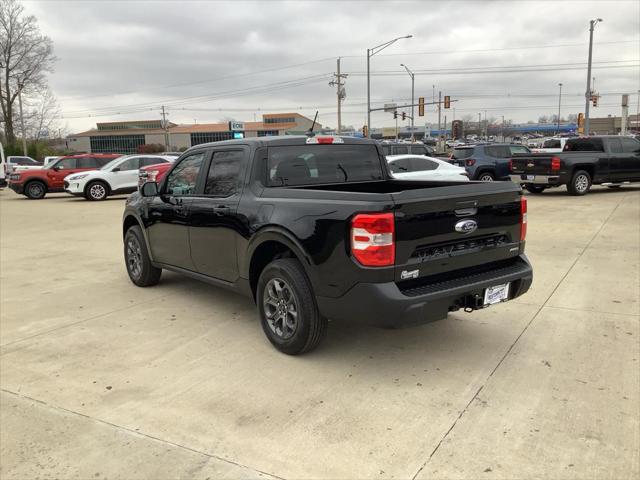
{"x":487,"y":162}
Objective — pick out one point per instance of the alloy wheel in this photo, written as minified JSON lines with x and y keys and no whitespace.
{"x":582,"y":183}
{"x":97,"y":191}
{"x":280,"y":308}
{"x":134,"y":257}
{"x":36,"y":190}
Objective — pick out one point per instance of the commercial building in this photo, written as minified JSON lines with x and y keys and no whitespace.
{"x":613,"y":125}
{"x":129,"y":136}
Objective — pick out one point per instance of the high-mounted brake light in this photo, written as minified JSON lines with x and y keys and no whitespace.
{"x":523,"y":218}
{"x":372,"y":239}
{"x":324,"y":140}
{"x":470,"y":162}
{"x":555,"y":163}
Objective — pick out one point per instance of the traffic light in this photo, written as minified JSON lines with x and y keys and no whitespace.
{"x":404,"y":116}
{"x":581,"y":123}
{"x":447,"y":101}
{"x":365,"y":131}
{"x":595,"y":100}
{"x":421,"y":106}
{"x":395,"y":114}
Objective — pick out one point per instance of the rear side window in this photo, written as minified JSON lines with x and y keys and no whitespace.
{"x":460,"y":153}
{"x":23,"y":161}
{"x":422,"y":164}
{"x":419,"y":150}
{"x":400,"y":150}
{"x":584,"y":145}
{"x":146,"y":161}
{"x":553,"y":143}
{"x":317,"y":164}
{"x":87,"y":162}
{"x":498,"y":151}
{"x":224,"y":173}
{"x":386,"y":149}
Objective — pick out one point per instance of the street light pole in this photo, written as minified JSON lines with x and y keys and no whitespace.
{"x":587,"y":94}
{"x":370,"y":53}
{"x":559,"y":104}
{"x":413,"y":78}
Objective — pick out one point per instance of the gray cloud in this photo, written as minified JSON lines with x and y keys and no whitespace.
{"x":108,"y":49}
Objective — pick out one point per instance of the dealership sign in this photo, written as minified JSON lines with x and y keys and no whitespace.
{"x":236,"y":126}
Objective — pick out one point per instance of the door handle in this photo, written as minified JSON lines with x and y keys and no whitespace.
{"x":221,"y":210}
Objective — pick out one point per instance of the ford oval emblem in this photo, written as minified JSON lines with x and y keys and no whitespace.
{"x":466,"y":226}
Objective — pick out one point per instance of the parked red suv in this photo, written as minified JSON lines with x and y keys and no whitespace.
{"x":153,"y":173}
{"x":35,"y":184}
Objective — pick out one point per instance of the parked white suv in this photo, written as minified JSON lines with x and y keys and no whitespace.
{"x":118,"y":176}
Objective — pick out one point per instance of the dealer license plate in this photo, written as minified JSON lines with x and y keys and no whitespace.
{"x":496,"y":294}
{"x":531,"y":177}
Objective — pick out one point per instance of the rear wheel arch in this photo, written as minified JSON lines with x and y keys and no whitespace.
{"x":484,"y":171}
{"x":589,"y":168}
{"x":271,"y":246}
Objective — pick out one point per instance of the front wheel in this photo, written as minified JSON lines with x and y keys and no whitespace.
{"x":139,"y":267}
{"x":96,"y":191}
{"x":288,"y":312}
{"x":535,"y":188}
{"x":580,"y":183}
{"x":35,"y":190}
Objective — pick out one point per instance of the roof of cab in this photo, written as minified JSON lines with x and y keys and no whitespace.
{"x":282,"y":140}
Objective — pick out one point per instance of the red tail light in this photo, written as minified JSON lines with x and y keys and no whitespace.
{"x":555,"y":163}
{"x":470,"y":162}
{"x":510,"y":165}
{"x":372,"y":239}
{"x":523,"y":218}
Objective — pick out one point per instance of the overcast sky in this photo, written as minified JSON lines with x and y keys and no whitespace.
{"x":212,"y":60}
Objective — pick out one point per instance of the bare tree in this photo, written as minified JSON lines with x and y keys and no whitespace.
{"x":25,"y":57}
{"x":41,"y":118}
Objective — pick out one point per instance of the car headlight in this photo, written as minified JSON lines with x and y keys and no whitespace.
{"x":77,"y":177}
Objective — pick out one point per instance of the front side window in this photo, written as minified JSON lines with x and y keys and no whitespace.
{"x":400,"y":150}
{"x":224,"y":173}
{"x":146,"y":161}
{"x":183,"y":178}
{"x":630,"y":145}
{"x":419,"y":150}
{"x":132,"y":163}
{"x":400,"y":166}
{"x":553,"y":143}
{"x":518,"y":149}
{"x":67,"y":163}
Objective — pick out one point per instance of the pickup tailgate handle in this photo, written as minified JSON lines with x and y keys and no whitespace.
{"x":464,"y":209}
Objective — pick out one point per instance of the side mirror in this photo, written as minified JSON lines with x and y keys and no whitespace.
{"x":56,"y":168}
{"x":117,"y":169}
{"x":149,"y":189}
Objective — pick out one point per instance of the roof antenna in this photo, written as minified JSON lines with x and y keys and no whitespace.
{"x":310,"y":132}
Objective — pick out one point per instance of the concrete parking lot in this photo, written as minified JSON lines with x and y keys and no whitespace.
{"x":101,"y":379}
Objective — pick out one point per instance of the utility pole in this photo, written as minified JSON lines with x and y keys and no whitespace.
{"x":24,"y":135}
{"x":480,"y":124}
{"x":439,"y":112}
{"x":339,"y":84}
{"x":445,"y":128}
{"x":559,"y":104}
{"x":587,"y":94}
{"x":164,"y":126}
{"x":502,"y":128}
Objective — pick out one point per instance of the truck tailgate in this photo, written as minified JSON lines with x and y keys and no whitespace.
{"x":435,"y":228}
{"x":532,"y":164}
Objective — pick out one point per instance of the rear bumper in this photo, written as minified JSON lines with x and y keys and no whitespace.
{"x":386,"y":305}
{"x":536,"y":180}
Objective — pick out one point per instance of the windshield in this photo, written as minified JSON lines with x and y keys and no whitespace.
{"x":53,"y":163}
{"x":317,"y":164}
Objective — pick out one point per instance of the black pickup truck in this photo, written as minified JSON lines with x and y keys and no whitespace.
{"x":316,"y":228}
{"x":607,"y":160}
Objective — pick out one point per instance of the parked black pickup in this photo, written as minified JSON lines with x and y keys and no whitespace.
{"x":609,"y":160}
{"x":315,"y":228}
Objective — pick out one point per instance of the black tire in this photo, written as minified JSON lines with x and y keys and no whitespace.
{"x":307,"y":328}
{"x":35,"y":190}
{"x":96,"y":191}
{"x":136,"y":258}
{"x":486,"y":177}
{"x":535,"y":188}
{"x":580,"y":183}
